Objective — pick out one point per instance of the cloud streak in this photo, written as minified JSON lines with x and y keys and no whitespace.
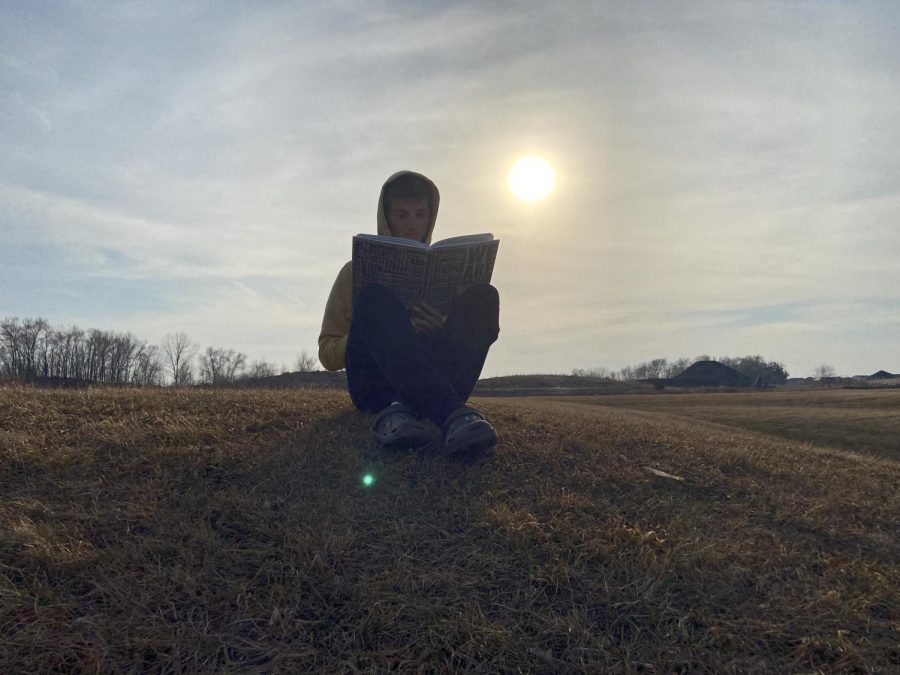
{"x":726,"y":170}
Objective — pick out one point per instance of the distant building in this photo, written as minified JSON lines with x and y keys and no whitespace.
{"x":710,"y":374}
{"x":882,"y":375}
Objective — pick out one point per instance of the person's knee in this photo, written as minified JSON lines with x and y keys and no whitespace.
{"x":479,"y":308}
{"x":374,"y":298}
{"x":374,"y":293}
{"x":481,"y":295}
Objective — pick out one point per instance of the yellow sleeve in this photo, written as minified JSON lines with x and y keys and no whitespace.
{"x":336,"y":322}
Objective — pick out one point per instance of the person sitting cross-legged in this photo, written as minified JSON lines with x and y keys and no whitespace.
{"x":416,"y":364}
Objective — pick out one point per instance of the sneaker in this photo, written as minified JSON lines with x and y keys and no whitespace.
{"x":467,"y":435}
{"x":398,"y":427}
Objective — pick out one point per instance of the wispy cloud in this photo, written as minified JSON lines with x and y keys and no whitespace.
{"x":727,"y":175}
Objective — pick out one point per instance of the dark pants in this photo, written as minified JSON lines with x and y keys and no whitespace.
{"x":387,"y":360}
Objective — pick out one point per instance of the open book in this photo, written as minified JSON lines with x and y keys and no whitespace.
{"x":416,"y":272}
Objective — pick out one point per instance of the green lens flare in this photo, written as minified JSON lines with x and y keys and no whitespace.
{"x":368,"y":479}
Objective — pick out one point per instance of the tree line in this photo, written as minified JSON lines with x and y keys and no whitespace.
{"x":33,"y":350}
{"x":753,"y":367}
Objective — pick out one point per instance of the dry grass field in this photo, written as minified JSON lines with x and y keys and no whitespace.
{"x":861,"y":421}
{"x":229,"y":531}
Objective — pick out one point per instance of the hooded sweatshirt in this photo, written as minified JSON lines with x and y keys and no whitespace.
{"x":339,"y":308}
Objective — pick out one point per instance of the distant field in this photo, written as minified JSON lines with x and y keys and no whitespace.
{"x":229,"y":531}
{"x":556,"y":385}
{"x":861,"y":421}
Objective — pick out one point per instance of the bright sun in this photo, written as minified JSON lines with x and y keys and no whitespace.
{"x":531,"y":178}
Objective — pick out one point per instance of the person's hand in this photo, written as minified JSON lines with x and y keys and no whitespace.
{"x":425,"y":319}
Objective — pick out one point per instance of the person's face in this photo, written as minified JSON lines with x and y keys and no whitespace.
{"x":409,"y":218}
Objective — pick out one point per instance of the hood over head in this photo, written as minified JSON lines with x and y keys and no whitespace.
{"x":383,"y":228}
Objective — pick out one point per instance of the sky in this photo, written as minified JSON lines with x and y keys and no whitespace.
{"x":728,"y":180}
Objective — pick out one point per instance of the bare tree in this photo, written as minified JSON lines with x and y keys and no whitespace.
{"x":148,"y":366}
{"x":823,"y":371}
{"x":676,"y":367}
{"x":649,"y":370}
{"x":124,"y":348}
{"x":179,"y":353}
{"x":656,"y":368}
{"x":97,"y":346}
{"x":598,"y":371}
{"x":220,"y":366}
{"x":22,"y":342}
{"x":10,"y":358}
{"x":234,"y":365}
{"x":756,"y":367}
{"x":306,"y":363}
{"x":259,"y":369}
{"x":72,"y":360}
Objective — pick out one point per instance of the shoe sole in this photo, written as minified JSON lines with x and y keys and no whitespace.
{"x":472,"y":442}
{"x":413,"y":440}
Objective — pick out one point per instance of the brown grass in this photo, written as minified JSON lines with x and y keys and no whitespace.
{"x":184,"y":531}
{"x":861,"y":421}
{"x":556,"y":385}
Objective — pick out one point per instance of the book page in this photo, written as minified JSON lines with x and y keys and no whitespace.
{"x":452,"y":270}
{"x":397,"y":241}
{"x":399,"y":268}
{"x":463,"y":240}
